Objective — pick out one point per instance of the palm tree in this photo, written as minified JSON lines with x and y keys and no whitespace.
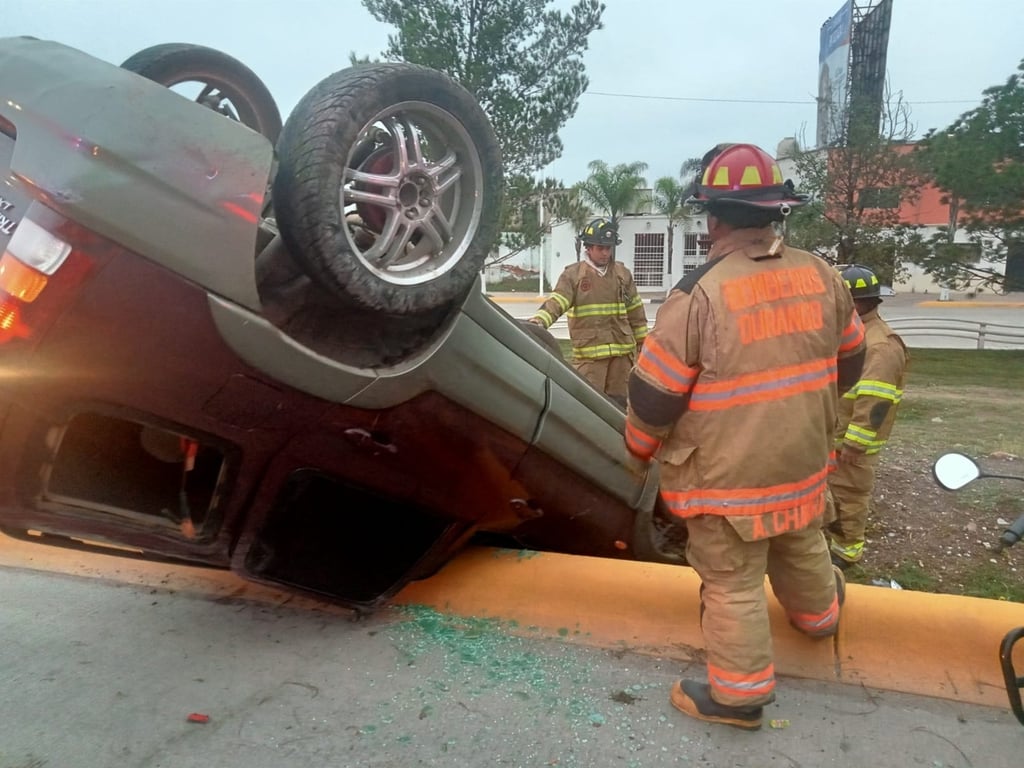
{"x":668,"y":201}
{"x":689,"y":174}
{"x":613,"y":190}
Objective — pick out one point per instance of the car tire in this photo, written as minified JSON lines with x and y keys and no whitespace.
{"x":389,"y":185}
{"x":229,"y":86}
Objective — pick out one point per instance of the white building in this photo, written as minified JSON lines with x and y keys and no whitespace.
{"x":645,"y":247}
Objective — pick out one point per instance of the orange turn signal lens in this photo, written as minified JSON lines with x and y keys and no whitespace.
{"x":20,"y":281}
{"x":8,"y":315}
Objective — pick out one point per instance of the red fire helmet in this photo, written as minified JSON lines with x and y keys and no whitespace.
{"x":747,"y":175}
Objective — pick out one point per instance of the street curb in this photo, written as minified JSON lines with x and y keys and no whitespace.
{"x":506,"y":299}
{"x":914,"y":642}
{"x":972,"y":303}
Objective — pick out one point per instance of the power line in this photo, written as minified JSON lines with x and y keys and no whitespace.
{"x":748,"y":101}
{"x":692,"y":98}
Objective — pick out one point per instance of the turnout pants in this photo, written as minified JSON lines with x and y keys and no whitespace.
{"x":846,"y":516}
{"x":734,"y":609}
{"x":608,"y":374}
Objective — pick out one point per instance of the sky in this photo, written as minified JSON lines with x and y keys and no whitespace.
{"x":668,"y":78}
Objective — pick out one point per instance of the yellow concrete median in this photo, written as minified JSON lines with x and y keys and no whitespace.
{"x":934,"y":645}
{"x":644,"y":607}
{"x":511,"y":298}
{"x":937,"y":645}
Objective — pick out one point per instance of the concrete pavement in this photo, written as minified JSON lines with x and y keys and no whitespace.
{"x":502,"y":658}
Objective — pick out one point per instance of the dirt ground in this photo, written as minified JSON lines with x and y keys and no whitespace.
{"x":927,"y":538}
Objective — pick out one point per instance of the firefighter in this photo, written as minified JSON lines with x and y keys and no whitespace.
{"x":607,"y":320}
{"x":866,"y":415}
{"x":735,"y":394}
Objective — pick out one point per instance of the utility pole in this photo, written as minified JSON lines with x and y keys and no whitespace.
{"x":540,"y":221}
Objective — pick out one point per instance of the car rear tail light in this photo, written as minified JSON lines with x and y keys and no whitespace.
{"x":31,"y":257}
{"x":36,"y":248}
{"x":11,"y":324}
{"x":20,"y":281}
{"x":8,"y":315}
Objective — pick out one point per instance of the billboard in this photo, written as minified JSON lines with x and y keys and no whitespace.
{"x":868,"y":55}
{"x":833,"y":72}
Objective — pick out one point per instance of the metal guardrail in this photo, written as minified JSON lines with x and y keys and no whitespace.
{"x":948,"y":327}
{"x":981,"y":332}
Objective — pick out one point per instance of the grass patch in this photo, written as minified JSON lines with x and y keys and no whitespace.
{"x":907,"y":575}
{"x":513,"y":285}
{"x":958,"y":399}
{"x":998,"y":369}
{"x":991,"y":498}
{"x":990,"y":581}
{"x":991,"y":368}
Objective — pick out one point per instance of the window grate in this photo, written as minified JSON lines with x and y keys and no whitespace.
{"x":695,"y":250}
{"x":649,"y":259}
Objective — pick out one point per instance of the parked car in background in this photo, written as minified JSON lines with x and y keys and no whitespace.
{"x":266,"y":349}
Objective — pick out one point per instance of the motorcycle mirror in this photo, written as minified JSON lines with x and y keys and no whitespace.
{"x":954,"y":470}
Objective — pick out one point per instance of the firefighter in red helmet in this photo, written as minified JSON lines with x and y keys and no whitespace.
{"x":734,"y":394}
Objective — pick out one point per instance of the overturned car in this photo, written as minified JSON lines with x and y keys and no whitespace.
{"x":266,"y":349}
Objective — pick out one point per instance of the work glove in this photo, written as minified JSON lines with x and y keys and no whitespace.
{"x":847,"y":454}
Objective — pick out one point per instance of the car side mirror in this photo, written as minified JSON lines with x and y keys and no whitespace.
{"x":954,"y":470}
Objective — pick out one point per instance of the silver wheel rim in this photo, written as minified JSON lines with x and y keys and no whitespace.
{"x":413,"y":221}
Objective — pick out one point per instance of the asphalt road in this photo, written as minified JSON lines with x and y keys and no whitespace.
{"x":100,"y":672}
{"x":954,"y":324}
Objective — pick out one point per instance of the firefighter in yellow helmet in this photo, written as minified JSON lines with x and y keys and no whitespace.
{"x":734,"y":394}
{"x":866,"y":416}
{"x":607,"y":319}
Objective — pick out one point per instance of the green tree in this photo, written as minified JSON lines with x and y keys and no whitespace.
{"x":668,"y":200}
{"x":536,"y":208}
{"x":857,"y":190}
{"x":613,"y":190}
{"x":689,"y":173}
{"x":978,"y":163}
{"x":522,"y":60}
{"x":567,"y":206}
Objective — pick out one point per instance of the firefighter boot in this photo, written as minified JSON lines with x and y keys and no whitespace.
{"x":694,"y":699}
{"x":839,"y":563}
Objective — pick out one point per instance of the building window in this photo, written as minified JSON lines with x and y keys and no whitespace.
{"x":649,"y":259}
{"x":879,"y":197}
{"x":695,"y":250}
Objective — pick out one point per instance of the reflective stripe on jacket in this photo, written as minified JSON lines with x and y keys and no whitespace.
{"x":868,"y":410}
{"x":606,"y":314}
{"x":734,"y":391}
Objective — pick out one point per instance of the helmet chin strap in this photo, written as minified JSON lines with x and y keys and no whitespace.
{"x":779,"y":228}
